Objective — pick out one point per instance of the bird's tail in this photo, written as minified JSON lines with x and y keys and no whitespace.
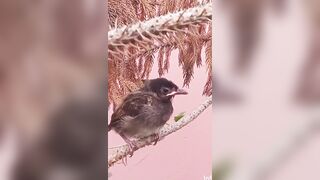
{"x":109,"y":127}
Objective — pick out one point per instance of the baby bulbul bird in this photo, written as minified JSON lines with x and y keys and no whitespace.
{"x":142,"y":113}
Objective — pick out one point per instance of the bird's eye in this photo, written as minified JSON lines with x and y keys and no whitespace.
{"x":165,"y":90}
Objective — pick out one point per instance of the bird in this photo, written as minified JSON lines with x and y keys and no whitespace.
{"x":143,"y":112}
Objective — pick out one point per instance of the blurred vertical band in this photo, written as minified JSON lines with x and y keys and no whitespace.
{"x":266,"y":89}
{"x":53,"y":107}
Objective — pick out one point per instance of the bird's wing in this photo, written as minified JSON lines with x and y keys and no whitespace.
{"x":133,"y":105}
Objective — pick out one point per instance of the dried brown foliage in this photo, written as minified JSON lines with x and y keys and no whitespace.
{"x":133,"y":52}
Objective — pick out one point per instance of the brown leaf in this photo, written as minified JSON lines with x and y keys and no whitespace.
{"x":160,"y":61}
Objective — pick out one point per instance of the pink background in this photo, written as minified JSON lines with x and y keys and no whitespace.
{"x":249,"y":133}
{"x":184,"y":155}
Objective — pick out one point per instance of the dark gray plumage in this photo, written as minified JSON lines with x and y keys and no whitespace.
{"x":143,"y":112}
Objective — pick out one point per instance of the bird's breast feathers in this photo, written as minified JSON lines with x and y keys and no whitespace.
{"x":144,"y":105}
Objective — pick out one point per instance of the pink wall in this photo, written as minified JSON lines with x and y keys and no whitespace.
{"x":184,"y":155}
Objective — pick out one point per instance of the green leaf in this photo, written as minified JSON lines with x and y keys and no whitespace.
{"x":179,"y":116}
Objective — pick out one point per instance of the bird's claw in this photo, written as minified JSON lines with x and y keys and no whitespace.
{"x":124,"y":160}
{"x":131,"y":144}
{"x":132,"y":148}
{"x":157,"y":137}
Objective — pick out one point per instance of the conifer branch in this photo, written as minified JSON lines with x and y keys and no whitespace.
{"x":143,"y":32}
{"x":134,"y":47}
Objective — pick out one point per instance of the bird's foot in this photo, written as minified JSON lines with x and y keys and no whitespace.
{"x":132,"y":147}
{"x":157,"y":137}
{"x":125,"y":161}
{"x":131,"y":144}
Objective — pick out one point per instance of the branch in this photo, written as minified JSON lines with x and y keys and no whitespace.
{"x":132,"y":48}
{"x":122,"y":151}
{"x":142,"y":35}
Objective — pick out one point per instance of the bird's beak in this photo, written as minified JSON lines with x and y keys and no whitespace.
{"x":177,"y":92}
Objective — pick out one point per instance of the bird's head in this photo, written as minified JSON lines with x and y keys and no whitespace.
{"x":164,"y":88}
